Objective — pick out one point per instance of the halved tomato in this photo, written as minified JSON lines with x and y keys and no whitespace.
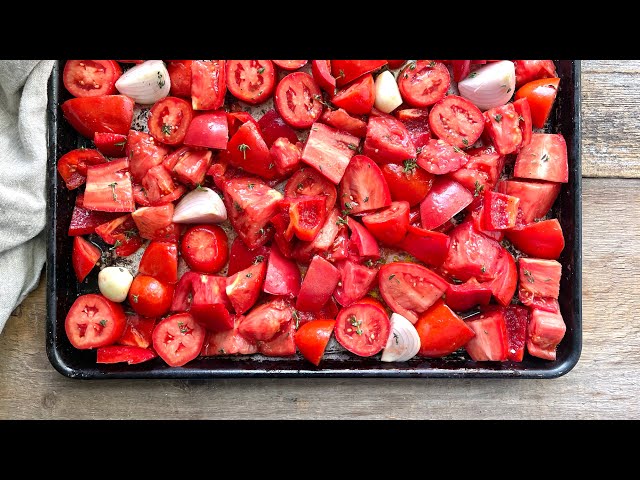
{"x":329,"y":151}
{"x":208,"y":84}
{"x":457,"y":121}
{"x":410,"y":289}
{"x":298,"y":100}
{"x":390,"y":224}
{"x":362,"y":329}
{"x":106,"y":113}
{"x":423,"y":83}
{"x":251,"y":81}
{"x":363,"y":186}
{"x":72,"y":166}
{"x":169,"y":119}
{"x":205,"y":248}
{"x":545,"y":158}
{"x":358,"y":97}
{"x":441,"y":331}
{"x":312,"y":339}
{"x":388,"y":140}
{"x":178,"y":339}
{"x":94,"y":321}
{"x":90,"y":78}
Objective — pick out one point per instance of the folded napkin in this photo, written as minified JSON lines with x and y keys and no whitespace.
{"x":23,"y":160}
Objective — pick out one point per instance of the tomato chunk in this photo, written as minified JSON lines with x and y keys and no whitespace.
{"x":390,"y":224}
{"x":502,"y":124}
{"x":154,"y":222}
{"x":138,"y":331}
{"x":227,"y":342}
{"x":545,"y":331}
{"x":265,"y":321}
{"x":84,"y":257}
{"x":109,"y":187}
{"x":499,"y":211}
{"x":208,"y":84}
{"x":341,"y":120}
{"x":119,"y":354}
{"x":345,"y":71}
{"x":160,"y":260}
{"x":318,"y":285}
{"x":438,"y":157}
{"x":208,"y":129}
{"x":536,"y":198}
{"x":517,"y":319}
{"x":312,"y":339}
{"x":445,"y":199}
{"x":441,"y":331}
{"x":545,"y":158}
{"x":417,"y":122}
{"x":358,"y":97}
{"x":465,"y":296}
{"x":490,"y":341}
{"x":308,"y":182}
{"x":283,"y":275}
{"x":363,"y":186}
{"x":542,"y":239}
{"x":274,"y":127}
{"x":144,"y":153}
{"x":355,"y":282}
{"x":407,"y":182}
{"x":540,"y":277}
{"x":388,"y":140}
{"x":427,"y":246}
{"x":540,"y":94}
{"x":72,"y":166}
{"x":329,"y":151}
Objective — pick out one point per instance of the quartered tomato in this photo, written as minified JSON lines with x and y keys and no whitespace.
{"x":441,"y":331}
{"x":390,"y":224}
{"x":345,"y":71}
{"x":358,"y":97}
{"x":84,"y":257}
{"x":106,"y":114}
{"x":541,"y":94}
{"x":321,"y":70}
{"x":208,"y":84}
{"x":407,"y":182}
{"x":363,"y":186}
{"x":312,"y":339}
{"x":180,"y":76}
{"x":91,"y":78}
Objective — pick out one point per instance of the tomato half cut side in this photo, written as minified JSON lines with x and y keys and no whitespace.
{"x":457,"y":121}
{"x":251,"y":81}
{"x":298,"y":100}
{"x":91,"y":78}
{"x":169,"y":120}
{"x":178,"y":339}
{"x":362,"y":329}
{"x":363,"y":186}
{"x":423,"y":83}
{"x":94,"y":321}
{"x":205,"y":248}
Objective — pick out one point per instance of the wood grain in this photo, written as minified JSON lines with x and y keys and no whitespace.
{"x":604,"y":384}
{"x":610,"y":120}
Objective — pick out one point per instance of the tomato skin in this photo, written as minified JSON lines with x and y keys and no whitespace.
{"x":208,"y":84}
{"x":178,"y":339}
{"x":321,"y":70}
{"x":445,"y":199}
{"x":109,"y":187}
{"x":355,"y":282}
{"x":541,"y":95}
{"x":180,"y":76}
{"x":318,"y":285}
{"x":465,"y":296}
{"x":502,"y":124}
{"x":130,"y":355}
{"x":286,"y":156}
{"x":407,"y":183}
{"x":341,"y":120}
{"x":345,"y":71}
{"x":545,"y":158}
{"x":490,"y":341}
{"x":529,"y":70}
{"x":283,"y":275}
{"x":160,"y":260}
{"x":209,"y":129}
{"x":312,"y":339}
{"x":410,"y":289}
{"x":461,"y":69}
{"x":358,"y":97}
{"x":251,"y":81}
{"x":390,"y":224}
{"x":329,"y":151}
{"x":265,"y":321}
{"x":138,"y":331}
{"x":290,"y":64}
{"x":150,"y":297}
{"x":363,"y":186}
{"x":72,"y":166}
{"x":94,"y":321}
{"x":205,"y":248}
{"x":297,"y":101}
{"x":84,"y":257}
{"x":427,"y":246}
{"x":106,"y":113}
{"x":362,"y":241}
{"x":91,"y":78}
{"x":388,"y":141}
{"x":441,"y":331}
{"x":110,"y":144}
{"x":274,"y":127}
{"x":362,"y":329}
{"x":457,"y":121}
{"x":169,"y":119}
{"x":423,"y":83}
{"x":541,"y":239}
{"x":308,"y":181}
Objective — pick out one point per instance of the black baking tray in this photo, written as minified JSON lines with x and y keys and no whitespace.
{"x":62,"y":287}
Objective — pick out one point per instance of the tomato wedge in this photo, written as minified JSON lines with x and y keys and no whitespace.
{"x":329,"y":151}
{"x":283,"y":275}
{"x":465,"y":296}
{"x":321,"y":70}
{"x":265,"y":321}
{"x":417,"y":122}
{"x":84,"y":257}
{"x":541,"y":239}
{"x":502,"y":125}
{"x":427,"y":246}
{"x":545,"y":158}
{"x":341,"y":120}
{"x":274,"y":127}
{"x":290,"y":64}
{"x":312,"y":339}
{"x":407,"y":182}
{"x":441,"y":331}
{"x":72,"y":166}
{"x":355,"y":282}
{"x":490,"y":342}
{"x":318,"y":285}
{"x":390,"y":224}
{"x":209,"y":129}
{"x":110,"y":144}
{"x":358,"y":97}
{"x":445,"y":199}
{"x":160,"y":260}
{"x":90,"y":78}
{"x":94,"y":321}
{"x":363,"y":186}
{"x":124,"y":354}
{"x":345,"y":71}
{"x":138,"y":331}
{"x":178,"y":339}
{"x":298,"y":100}
{"x":208,"y":84}
{"x":106,"y":114}
{"x":244,"y":287}
{"x":541,"y":94}
{"x":251,"y":81}
{"x":438,"y":157}
{"x":362,"y":329}
{"x":423,"y":83}
{"x":388,"y":141}
{"x":517,"y":320}
{"x":180,"y":76}
{"x":410,"y":289}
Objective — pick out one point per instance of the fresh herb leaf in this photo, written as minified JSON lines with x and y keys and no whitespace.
{"x":296,"y":317}
{"x":116,"y":245}
{"x":135,"y":298}
{"x":261,"y":70}
{"x":352,"y":146}
{"x":271,"y":165}
{"x":473,"y":75}
{"x":243,"y":147}
{"x":251,"y":185}
{"x":183,"y":328}
{"x":465,"y":142}
{"x":120,"y":144}
{"x":113,"y":191}
{"x":410,"y":165}
{"x":457,"y":149}
{"x":237,"y":206}
{"x":483,"y":269}
{"x":432,"y":63}
{"x":341,"y":221}
{"x":258,"y":259}
{"x":545,"y":158}
{"x":479,"y":188}
{"x":249,"y":275}
{"x":395,"y":337}
{"x":498,"y":117}
{"x":529,"y":276}
{"x":355,"y":323}
{"x":366,"y":199}
{"x":392,"y":276}
{"x":166,"y":129}
{"x":103,"y":322}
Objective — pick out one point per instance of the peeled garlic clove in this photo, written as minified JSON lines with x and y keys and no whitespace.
{"x":145,"y":83}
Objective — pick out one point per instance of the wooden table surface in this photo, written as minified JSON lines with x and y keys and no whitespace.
{"x":604,"y":384}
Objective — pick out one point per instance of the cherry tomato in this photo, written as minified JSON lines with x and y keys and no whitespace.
{"x":541,"y":95}
{"x":298,"y":100}
{"x":94,"y":321}
{"x":362,"y":329}
{"x":423,"y":83}
{"x":169,"y":119}
{"x":251,"y":81}
{"x":312,"y":339}
{"x":205,"y":248}
{"x":150,"y":297}
{"x":178,"y":339}
{"x":90,"y":78}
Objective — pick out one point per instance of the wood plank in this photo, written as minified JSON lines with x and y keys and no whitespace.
{"x":604,"y":384}
{"x":610,"y":120}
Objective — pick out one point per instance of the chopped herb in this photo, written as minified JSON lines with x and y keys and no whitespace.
{"x":237,"y":206}
{"x":300,"y":186}
{"x":529,"y":276}
{"x":418,"y":150}
{"x":498,"y":117}
{"x":352,"y":146}
{"x":520,"y":118}
{"x":116,"y":245}
{"x":135,"y":298}
{"x":120,"y":144}
{"x":479,"y":188}
{"x":412,"y":66}
{"x":392,"y":276}
{"x":261,"y":231}
{"x":258,"y":259}
{"x":315,"y":129}
{"x":243,"y":147}
{"x":130,"y":233}
{"x":261,"y":70}
{"x":161,"y":81}
{"x":410,"y":165}
{"x":340,"y":74}
{"x":432,"y":63}
{"x":473,"y":75}
{"x":545,"y":158}
{"x":366,"y":199}
{"x":271,"y":165}
{"x":465,"y":142}
{"x":113,"y":191}
{"x":296,"y":317}
{"x":369,"y":263}
{"x":166,"y":129}
{"x":341,"y":221}
{"x":483,"y":269}
{"x":355,"y":323}
{"x":249,"y":275}
{"x":182,"y":327}
{"x":199,"y":187}
{"x":395,"y":337}
{"x":456,"y":281}
{"x":251,"y":185}
{"x":457,"y":149}
{"x":319,"y":98}
{"x":320,"y":167}
{"x":222,"y":351}
{"x":103,"y":322}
